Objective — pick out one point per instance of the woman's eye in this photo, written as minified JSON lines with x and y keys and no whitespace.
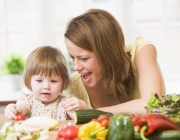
{"x":39,"y":80}
{"x":84,"y":59}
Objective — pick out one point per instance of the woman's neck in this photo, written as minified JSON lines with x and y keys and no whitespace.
{"x":100,"y":97}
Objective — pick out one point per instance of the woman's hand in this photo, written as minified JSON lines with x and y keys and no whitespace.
{"x":73,"y":103}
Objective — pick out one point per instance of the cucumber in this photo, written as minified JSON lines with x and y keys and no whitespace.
{"x":161,"y":135}
{"x":85,"y":116}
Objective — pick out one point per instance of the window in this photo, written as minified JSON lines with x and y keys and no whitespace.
{"x":25,"y":25}
{"x":159,"y":21}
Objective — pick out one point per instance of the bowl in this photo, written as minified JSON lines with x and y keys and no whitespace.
{"x":172,"y":113}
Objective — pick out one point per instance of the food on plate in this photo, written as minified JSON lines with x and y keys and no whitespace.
{"x":35,"y":128}
{"x":40,"y":122}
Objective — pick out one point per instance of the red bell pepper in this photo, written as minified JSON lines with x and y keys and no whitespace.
{"x":155,"y":122}
{"x":68,"y":132}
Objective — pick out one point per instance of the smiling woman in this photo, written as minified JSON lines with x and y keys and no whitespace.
{"x":124,"y":75}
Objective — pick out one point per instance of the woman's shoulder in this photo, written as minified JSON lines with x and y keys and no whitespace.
{"x":134,"y":47}
{"x":137,"y":44}
{"x":140,"y":41}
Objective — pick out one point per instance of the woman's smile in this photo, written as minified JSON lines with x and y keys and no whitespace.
{"x":86,"y":77}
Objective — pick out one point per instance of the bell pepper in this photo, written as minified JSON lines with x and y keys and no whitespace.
{"x":92,"y":131}
{"x":150,"y":123}
{"x":68,"y":132}
{"x":120,"y":128}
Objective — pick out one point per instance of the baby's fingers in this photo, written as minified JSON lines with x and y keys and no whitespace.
{"x":10,"y":111}
{"x":11,"y":116}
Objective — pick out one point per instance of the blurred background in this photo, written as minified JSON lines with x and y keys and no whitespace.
{"x":27,"y":24}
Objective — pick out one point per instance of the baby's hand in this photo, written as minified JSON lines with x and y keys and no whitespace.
{"x":11,"y":111}
{"x":73,"y":103}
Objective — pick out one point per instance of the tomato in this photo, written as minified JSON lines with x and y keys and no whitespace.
{"x":20,"y":116}
{"x":102,"y":117}
{"x":135,"y":120}
{"x":105,"y":123}
{"x":95,"y":120}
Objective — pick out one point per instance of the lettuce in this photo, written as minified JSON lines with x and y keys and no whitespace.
{"x":154,"y":101}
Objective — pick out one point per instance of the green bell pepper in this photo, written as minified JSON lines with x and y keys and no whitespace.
{"x":120,"y":128}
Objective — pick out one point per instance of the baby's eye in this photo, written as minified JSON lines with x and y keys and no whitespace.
{"x":39,"y":80}
{"x":71,"y":57}
{"x":53,"y":81}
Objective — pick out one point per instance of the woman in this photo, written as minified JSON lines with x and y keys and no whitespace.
{"x":109,"y":75}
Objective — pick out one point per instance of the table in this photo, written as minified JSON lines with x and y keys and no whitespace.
{"x":53,"y":132}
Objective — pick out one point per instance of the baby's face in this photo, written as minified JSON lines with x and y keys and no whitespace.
{"x":45,"y":88}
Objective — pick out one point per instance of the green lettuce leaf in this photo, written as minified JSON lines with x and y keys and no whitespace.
{"x":154,"y":101}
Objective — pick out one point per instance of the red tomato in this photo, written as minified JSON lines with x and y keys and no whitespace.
{"x":95,"y":120}
{"x":105,"y":123}
{"x":20,"y":117}
{"x":102,"y":117}
{"x":135,"y":120}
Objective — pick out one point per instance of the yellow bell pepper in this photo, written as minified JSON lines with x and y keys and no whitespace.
{"x":92,"y":131}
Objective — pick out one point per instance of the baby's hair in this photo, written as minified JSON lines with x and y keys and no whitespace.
{"x":46,"y":60}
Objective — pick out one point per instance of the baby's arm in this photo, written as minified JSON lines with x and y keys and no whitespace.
{"x":11,"y":110}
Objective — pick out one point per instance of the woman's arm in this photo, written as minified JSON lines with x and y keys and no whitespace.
{"x":150,"y":81}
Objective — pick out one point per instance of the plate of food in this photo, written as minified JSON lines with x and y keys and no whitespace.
{"x":35,"y":128}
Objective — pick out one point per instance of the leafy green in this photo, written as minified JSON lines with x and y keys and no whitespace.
{"x":168,"y":105}
{"x":154,"y":101}
{"x":168,"y":101}
{"x":36,"y":136}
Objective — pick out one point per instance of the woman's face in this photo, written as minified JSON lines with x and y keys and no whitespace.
{"x":85,"y":63}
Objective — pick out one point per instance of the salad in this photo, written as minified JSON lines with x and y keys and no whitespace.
{"x":168,"y":105}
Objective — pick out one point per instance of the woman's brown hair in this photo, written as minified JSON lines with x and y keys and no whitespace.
{"x":99,"y":32}
{"x":46,"y":60}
